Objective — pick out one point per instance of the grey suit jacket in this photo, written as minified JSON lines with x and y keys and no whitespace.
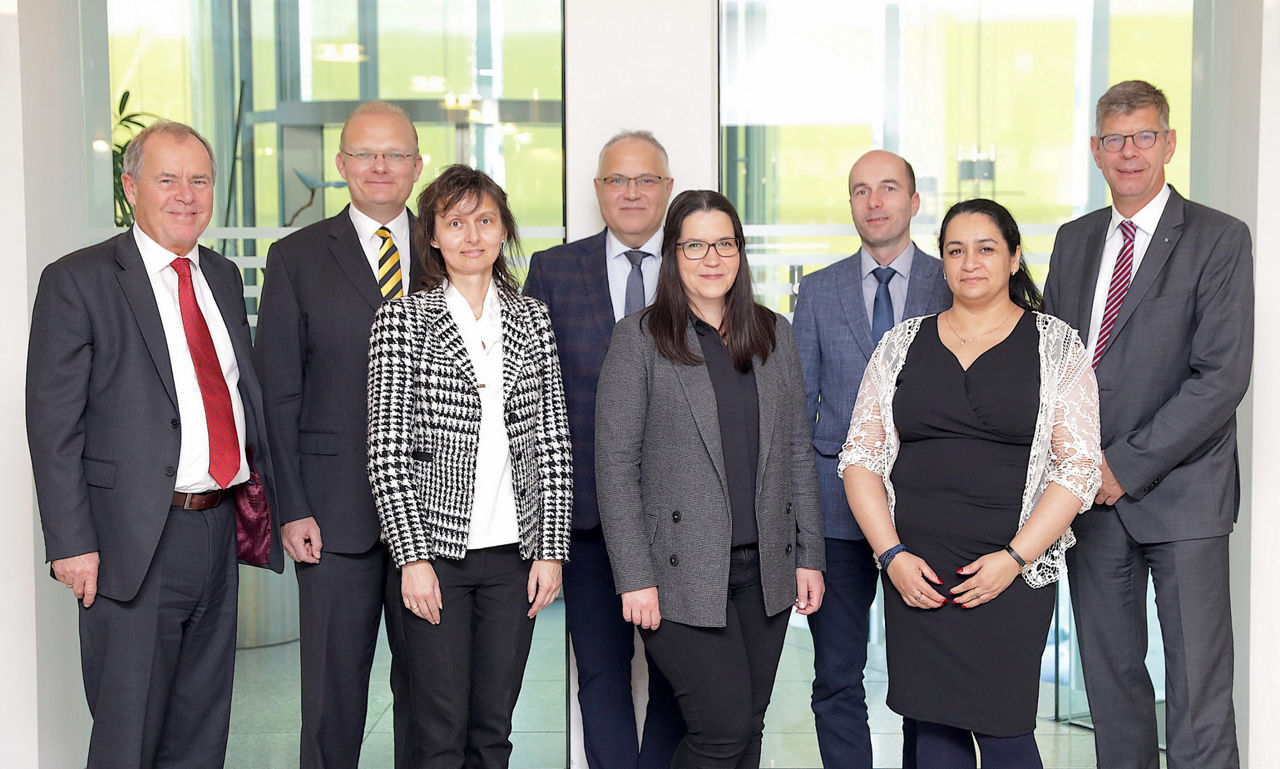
{"x":312,"y":348}
{"x":1175,"y":368}
{"x":102,"y":410}
{"x":664,"y":498}
{"x":833,"y":337}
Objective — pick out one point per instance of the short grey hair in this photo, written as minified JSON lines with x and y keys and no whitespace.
{"x":132,"y":164}
{"x":1130,"y":96}
{"x":378,"y":108}
{"x":644,"y":136}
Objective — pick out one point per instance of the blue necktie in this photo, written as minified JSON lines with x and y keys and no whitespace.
{"x":882,"y":310}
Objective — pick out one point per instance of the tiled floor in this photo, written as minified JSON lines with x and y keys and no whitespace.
{"x":265,"y":719}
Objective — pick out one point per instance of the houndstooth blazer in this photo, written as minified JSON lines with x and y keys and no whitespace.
{"x":424,"y":428}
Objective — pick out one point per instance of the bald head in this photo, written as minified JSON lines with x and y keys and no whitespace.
{"x":882,"y":200}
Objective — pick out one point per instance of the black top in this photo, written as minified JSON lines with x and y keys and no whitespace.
{"x":739,"y":412}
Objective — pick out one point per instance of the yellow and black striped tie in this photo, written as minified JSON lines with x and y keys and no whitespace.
{"x":389,"y":282}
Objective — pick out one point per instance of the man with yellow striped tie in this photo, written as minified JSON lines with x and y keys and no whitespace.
{"x":322,"y":287}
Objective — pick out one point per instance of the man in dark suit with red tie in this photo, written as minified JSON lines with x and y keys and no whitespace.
{"x":144,"y":419}
{"x":588,"y":285}
{"x":323,"y":285}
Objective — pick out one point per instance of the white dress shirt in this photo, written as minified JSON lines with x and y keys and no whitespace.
{"x":193,"y":453}
{"x":1144,"y":222}
{"x":366,"y":229}
{"x":619,"y":267}
{"x":901,"y":265}
{"x":493,"y":515}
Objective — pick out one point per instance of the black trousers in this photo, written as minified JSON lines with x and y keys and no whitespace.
{"x":158,"y":668}
{"x":465,"y":673}
{"x":603,"y":644}
{"x":946,"y":747}
{"x":341,"y":603}
{"x":723,"y":677}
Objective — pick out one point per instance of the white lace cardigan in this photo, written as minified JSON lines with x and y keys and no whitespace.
{"x":1064,"y":449}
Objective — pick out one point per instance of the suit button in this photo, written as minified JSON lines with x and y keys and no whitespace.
{"x":515,"y":456}
{"x":788,"y":508}
{"x":170,"y":471}
{"x":788,"y":548}
{"x":675,"y":561}
{"x":173,"y":423}
{"x":675,"y":517}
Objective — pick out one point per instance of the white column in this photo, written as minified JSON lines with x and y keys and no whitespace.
{"x":630,"y":66}
{"x":43,"y":718}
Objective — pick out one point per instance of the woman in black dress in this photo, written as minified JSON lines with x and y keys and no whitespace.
{"x":973,"y":444}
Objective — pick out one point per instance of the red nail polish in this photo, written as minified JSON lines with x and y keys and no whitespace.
{"x":960,"y":570}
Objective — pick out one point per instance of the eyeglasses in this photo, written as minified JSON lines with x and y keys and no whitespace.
{"x":391,"y":158}
{"x":697,"y":249}
{"x":1143,"y":140}
{"x":619,"y":183}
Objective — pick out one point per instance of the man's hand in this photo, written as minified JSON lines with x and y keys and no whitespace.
{"x":1110,"y":491}
{"x":640,"y":607}
{"x":80,"y":573}
{"x":302,"y":540}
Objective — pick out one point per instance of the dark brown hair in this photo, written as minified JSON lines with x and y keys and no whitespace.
{"x":455,"y":184}
{"x":748,"y":327}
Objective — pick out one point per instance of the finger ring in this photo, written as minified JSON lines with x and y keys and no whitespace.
{"x":413,"y":607}
{"x":919,"y":596}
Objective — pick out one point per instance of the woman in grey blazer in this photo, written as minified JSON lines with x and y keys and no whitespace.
{"x":706,"y":482}
{"x":470,"y":468}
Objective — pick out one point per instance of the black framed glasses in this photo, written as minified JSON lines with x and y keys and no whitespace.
{"x":391,"y":158}
{"x":644,"y":181}
{"x":697,"y":249}
{"x":1143,"y":140}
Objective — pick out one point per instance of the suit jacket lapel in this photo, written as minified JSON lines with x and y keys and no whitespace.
{"x":769,"y":391}
{"x":444,"y":335}
{"x":345,"y":248}
{"x":1163,"y":241}
{"x":227,"y":294}
{"x":415,"y":259}
{"x":515,"y":341}
{"x":136,"y":285}
{"x":701,"y":397}
{"x":1089,"y":274}
{"x":594,"y":269}
{"x":919,"y":284}
{"x":849,"y":288}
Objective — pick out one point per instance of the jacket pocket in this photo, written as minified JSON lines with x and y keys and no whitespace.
{"x":100,"y":473}
{"x":318,"y":443}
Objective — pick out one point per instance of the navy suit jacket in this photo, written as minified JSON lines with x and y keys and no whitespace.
{"x":833,"y":336}
{"x":318,"y":302}
{"x":573,"y":281}
{"x":102,"y":410}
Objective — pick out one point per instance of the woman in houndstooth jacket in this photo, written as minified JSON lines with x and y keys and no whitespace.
{"x":470,"y":467}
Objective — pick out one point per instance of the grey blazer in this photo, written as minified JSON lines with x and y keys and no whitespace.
{"x":1175,"y":368}
{"x":664,"y":499}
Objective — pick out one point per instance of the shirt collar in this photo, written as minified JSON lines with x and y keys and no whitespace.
{"x":490,"y":309}
{"x":1147,"y":217}
{"x":901,"y":263}
{"x":366,"y":226}
{"x":156,"y":257}
{"x":615,"y":249}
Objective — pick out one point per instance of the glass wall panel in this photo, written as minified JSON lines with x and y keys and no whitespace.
{"x":989,"y":98}
{"x":269,"y":83}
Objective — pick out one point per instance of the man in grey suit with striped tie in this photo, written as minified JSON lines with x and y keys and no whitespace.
{"x":841,"y":313}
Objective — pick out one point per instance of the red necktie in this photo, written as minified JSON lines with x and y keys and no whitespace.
{"x":1120,"y":279}
{"x":224,"y":444}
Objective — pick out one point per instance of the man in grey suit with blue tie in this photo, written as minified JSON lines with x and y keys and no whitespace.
{"x":841,"y":313}
{"x":1161,"y":291}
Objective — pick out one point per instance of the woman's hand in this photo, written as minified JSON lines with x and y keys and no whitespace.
{"x":810,"y":588}
{"x":640,"y":607}
{"x":992,"y":573}
{"x":544,"y":585}
{"x":911,"y":576}
{"x":420,"y":590}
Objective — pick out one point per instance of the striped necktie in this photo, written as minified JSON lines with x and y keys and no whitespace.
{"x":1121,"y":277}
{"x":389,"y":281}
